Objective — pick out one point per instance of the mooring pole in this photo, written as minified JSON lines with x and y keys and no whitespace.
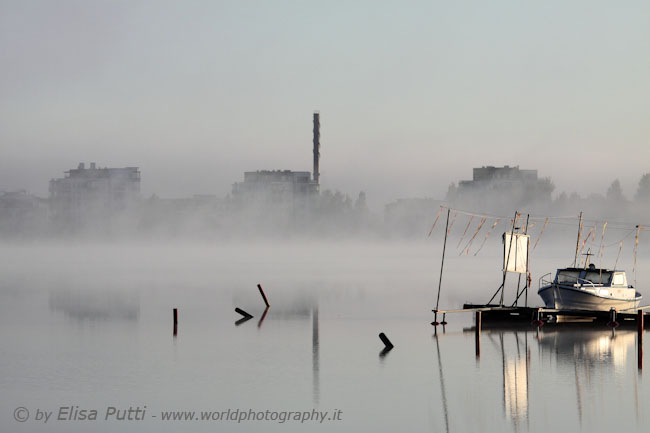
{"x":175,"y":321}
{"x":477,"y":334}
{"x":639,"y":326}
{"x":442,"y":264}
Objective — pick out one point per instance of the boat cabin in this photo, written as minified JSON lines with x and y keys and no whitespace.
{"x":591,"y":276}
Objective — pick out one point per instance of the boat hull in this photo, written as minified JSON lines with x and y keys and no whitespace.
{"x":568,"y":298}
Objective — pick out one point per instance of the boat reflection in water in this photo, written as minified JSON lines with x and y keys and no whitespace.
{"x":572,"y":375}
{"x":595,"y":357}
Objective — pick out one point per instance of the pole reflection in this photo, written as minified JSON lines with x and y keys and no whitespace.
{"x":442,"y":383}
{"x":315,"y":358}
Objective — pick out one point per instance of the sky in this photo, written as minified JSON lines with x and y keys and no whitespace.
{"x":412,"y":94}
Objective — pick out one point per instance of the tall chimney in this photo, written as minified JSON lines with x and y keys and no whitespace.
{"x":316,"y":146}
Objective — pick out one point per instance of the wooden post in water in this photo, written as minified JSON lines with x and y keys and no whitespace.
{"x":639,"y":326}
{"x":388,"y":345}
{"x":175,"y":321}
{"x":478,"y":334}
{"x":243,"y":313}
{"x":266,"y":301}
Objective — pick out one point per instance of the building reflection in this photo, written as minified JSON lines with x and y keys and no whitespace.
{"x":95,"y":305}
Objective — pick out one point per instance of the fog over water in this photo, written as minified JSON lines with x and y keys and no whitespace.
{"x":90,"y":324}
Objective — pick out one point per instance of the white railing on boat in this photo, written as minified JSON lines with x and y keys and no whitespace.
{"x":543,"y":280}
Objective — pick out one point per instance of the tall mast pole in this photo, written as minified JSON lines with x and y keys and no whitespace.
{"x":575,"y":260}
{"x":527,"y":253}
{"x":505,"y":270}
{"x":506,"y":261}
{"x":442,"y":264}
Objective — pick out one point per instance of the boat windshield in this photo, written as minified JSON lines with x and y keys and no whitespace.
{"x":567,"y":276}
{"x":598,"y":277}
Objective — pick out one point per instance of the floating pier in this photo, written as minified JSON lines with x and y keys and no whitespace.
{"x":497,"y":315}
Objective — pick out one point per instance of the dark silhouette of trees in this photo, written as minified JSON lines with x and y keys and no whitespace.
{"x":615,"y":192}
{"x":643,"y":190}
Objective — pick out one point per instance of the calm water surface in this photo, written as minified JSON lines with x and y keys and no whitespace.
{"x":91,"y":326}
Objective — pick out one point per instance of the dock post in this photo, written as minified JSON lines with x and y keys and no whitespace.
{"x":612,"y":318}
{"x":538,"y":319}
{"x":639,"y":326}
{"x":175,"y":321}
{"x":478,"y":334}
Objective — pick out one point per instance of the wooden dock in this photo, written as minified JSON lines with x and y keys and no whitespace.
{"x":494,"y":314}
{"x":491,"y":316}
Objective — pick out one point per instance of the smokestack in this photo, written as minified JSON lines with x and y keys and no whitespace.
{"x":316,"y":146}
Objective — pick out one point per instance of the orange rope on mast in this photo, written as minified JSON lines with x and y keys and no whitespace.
{"x":620,"y":247}
{"x":487,"y":235}
{"x":584,"y":242}
{"x":478,"y":229}
{"x":601,"y":248}
{"x":636,"y":246}
{"x":453,"y":220}
{"x":434,"y":223}
{"x":463,"y":236}
{"x":540,"y":234}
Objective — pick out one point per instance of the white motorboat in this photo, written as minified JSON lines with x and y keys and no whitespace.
{"x":588,"y":288}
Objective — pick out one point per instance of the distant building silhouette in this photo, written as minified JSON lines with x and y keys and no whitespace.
{"x":281,"y":188}
{"x":497,"y":188}
{"x":274,"y":187}
{"x":497,"y":178}
{"x":91,"y":194}
{"x":21,"y":213}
